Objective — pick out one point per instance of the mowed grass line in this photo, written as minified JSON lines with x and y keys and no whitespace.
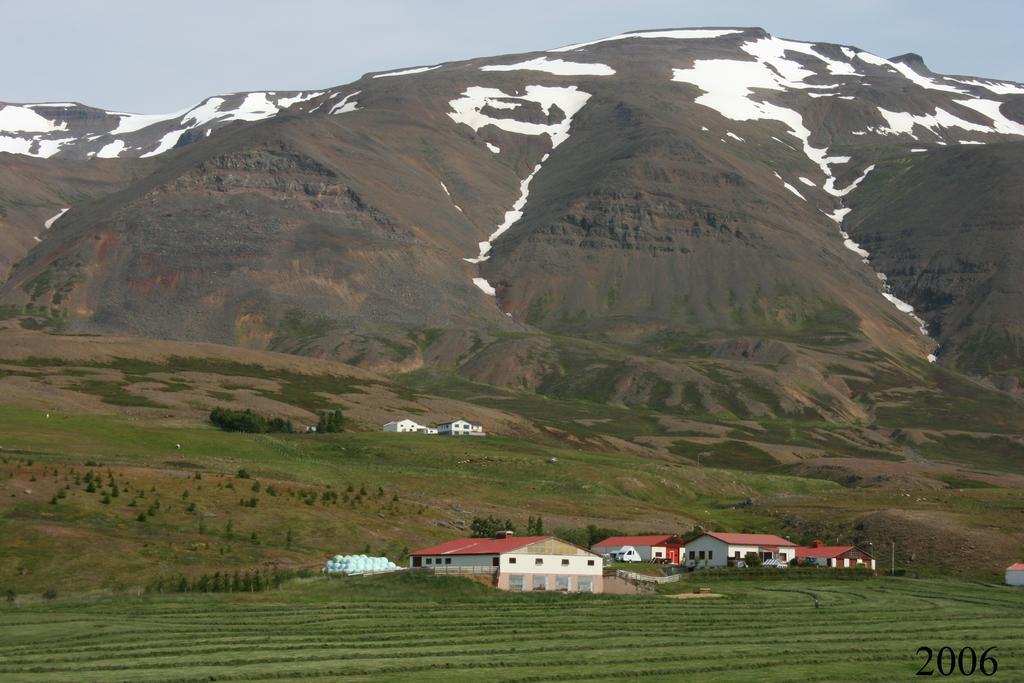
{"x":869,"y":630}
{"x":538,"y":644}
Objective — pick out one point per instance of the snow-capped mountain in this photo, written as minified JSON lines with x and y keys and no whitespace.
{"x":715,"y":183}
{"x":69,"y":130}
{"x":72,"y":130}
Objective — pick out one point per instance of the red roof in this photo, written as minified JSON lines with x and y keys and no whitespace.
{"x":668,"y":539}
{"x":823,"y":551}
{"x":481,"y":546}
{"x":750,"y":539}
{"x":1019,"y":567}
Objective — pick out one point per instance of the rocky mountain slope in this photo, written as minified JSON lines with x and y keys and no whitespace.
{"x":626,"y":219}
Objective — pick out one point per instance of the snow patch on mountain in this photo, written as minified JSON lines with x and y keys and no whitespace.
{"x":996,"y":87}
{"x":15,"y":145}
{"x":18,"y":119}
{"x":408,"y":72}
{"x":346,"y":104}
{"x":772,"y":50}
{"x":111,"y":150}
{"x":678,"y":34}
{"x":511,"y":217}
{"x":494,"y":148}
{"x":467,"y":109}
{"x":991,"y":109}
{"x":839,"y":215}
{"x":830,"y":184}
{"x":50,"y":221}
{"x":729,"y":86}
{"x":921,"y":80}
{"x":484,"y":286}
{"x":47,"y":148}
{"x":794,"y":190}
{"x":130,"y":123}
{"x":559,"y":67}
{"x":899,"y":122}
{"x":445,"y":188}
{"x":853,"y":246}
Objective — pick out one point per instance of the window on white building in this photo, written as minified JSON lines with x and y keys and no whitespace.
{"x":429,"y":560}
{"x":585,"y":584}
{"x":590,"y":563}
{"x":711,"y":554}
{"x":447,"y":560}
{"x":515,"y":582}
{"x":511,"y":560}
{"x":539,"y":560}
{"x":563,"y":583}
{"x":540,"y":582}
{"x":565,"y":563}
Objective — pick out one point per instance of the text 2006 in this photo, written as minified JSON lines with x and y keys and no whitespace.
{"x":966,"y":662}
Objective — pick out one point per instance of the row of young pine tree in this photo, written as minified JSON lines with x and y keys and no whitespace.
{"x":253,"y":423}
{"x":227,"y":582}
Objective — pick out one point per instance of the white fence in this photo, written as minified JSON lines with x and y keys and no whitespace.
{"x":456,"y":571}
{"x":633,"y":576}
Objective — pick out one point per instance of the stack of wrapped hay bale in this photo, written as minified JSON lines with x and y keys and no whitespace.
{"x":359,"y":564}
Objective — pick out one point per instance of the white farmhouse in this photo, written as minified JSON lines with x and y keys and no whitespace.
{"x":405,"y":425}
{"x":1015,"y":574}
{"x":526,"y":563}
{"x":721,"y":549}
{"x":460,"y":427}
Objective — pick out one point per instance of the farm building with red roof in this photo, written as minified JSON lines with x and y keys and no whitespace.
{"x":656,"y":548}
{"x":517,"y":563}
{"x":724,"y":549}
{"x":841,"y":556}
{"x":1015,"y":574}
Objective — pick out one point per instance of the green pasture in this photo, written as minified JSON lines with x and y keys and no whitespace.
{"x":423,"y":628}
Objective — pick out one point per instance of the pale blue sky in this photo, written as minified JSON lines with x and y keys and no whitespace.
{"x":140,"y":55}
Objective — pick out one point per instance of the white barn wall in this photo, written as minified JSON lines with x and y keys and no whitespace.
{"x":552,"y":564}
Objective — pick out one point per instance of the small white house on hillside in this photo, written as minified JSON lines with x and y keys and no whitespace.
{"x":405,"y":425}
{"x":721,"y":549}
{"x":460,"y":427}
{"x":1015,"y":574}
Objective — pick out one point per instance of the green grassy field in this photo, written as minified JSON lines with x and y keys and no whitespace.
{"x":310,"y":496}
{"x":423,"y":628}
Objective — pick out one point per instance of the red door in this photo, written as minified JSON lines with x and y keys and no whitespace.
{"x":673,"y":555}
